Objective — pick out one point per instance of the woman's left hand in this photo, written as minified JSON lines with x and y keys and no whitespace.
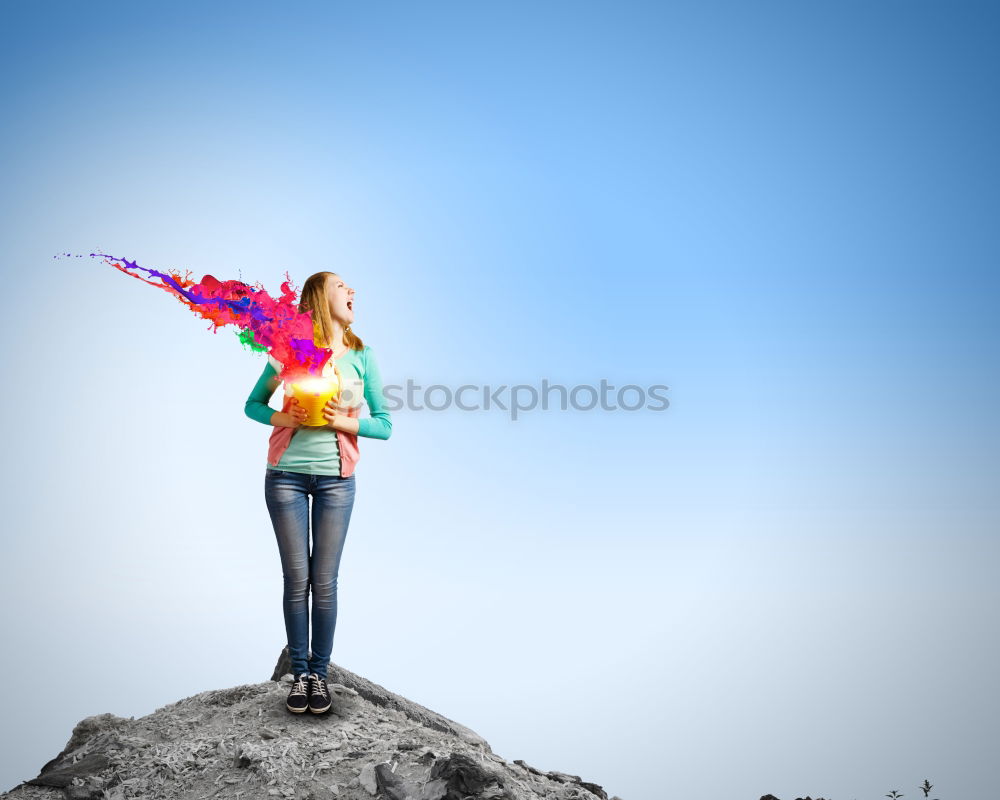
{"x":334,"y":414}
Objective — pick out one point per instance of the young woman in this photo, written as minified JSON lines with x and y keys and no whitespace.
{"x":304,"y":461}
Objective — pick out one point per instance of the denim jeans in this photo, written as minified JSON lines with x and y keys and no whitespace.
{"x":287,"y":496}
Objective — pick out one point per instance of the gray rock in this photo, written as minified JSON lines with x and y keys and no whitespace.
{"x":61,"y":775}
{"x":242,"y":743}
{"x":368,"y":780}
{"x":391,"y":785}
{"x":464,"y":776}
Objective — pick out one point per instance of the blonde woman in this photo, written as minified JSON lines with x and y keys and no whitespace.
{"x":318,"y":462}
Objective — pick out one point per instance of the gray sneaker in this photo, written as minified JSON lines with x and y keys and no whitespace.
{"x":298,"y":697}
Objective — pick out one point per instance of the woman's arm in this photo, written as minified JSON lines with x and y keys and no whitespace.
{"x":257,"y":407}
{"x":379,"y":424}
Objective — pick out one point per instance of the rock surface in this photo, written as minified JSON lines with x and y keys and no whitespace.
{"x":242,"y":743}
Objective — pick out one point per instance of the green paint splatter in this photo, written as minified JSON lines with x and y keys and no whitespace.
{"x":246,"y":337}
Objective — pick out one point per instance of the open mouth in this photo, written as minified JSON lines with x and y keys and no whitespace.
{"x":350,"y":305}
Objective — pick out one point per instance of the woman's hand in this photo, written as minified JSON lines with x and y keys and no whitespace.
{"x":335,"y":415}
{"x":293,"y":418}
{"x":297,"y":412}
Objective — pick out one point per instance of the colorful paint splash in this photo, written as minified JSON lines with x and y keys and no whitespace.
{"x":264,"y":324}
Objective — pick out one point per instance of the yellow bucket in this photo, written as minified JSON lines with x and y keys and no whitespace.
{"x":313,"y":394}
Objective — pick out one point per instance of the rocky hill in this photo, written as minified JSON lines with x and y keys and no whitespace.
{"x":241,"y":743}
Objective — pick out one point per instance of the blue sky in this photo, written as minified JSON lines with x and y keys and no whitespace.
{"x":785,"y":582}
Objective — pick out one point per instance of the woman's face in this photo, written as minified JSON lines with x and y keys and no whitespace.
{"x":341,"y":299}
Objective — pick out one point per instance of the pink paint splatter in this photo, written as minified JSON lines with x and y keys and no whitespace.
{"x":265,"y":324}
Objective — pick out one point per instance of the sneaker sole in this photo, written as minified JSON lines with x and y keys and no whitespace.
{"x":294,"y":710}
{"x":321,"y":710}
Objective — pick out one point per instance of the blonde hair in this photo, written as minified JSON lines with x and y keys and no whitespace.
{"x":314,"y":300}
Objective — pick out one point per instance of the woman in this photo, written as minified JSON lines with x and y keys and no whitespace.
{"x":319,"y":461}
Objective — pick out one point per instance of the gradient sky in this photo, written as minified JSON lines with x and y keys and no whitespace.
{"x":786,"y":212}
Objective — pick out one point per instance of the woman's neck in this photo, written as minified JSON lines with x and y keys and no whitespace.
{"x":336,"y":343}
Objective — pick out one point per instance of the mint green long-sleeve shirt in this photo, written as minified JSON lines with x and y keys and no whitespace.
{"x":315,"y":450}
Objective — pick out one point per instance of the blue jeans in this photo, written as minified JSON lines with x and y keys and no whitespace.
{"x":287,"y":496}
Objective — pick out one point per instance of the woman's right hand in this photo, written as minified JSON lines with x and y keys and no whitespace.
{"x":297,"y":412}
{"x":295,"y":416}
